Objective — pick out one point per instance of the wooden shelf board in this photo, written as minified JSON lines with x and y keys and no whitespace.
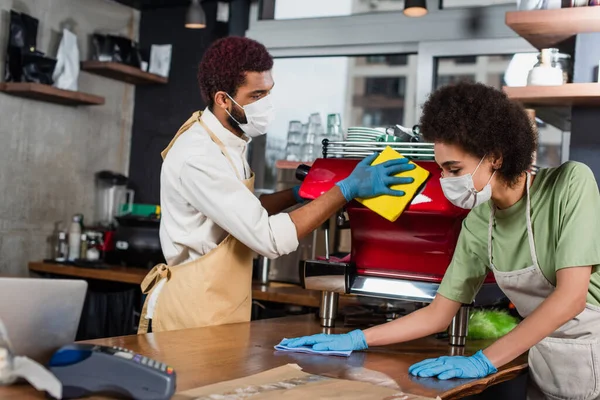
{"x":134,"y":276}
{"x":285,"y":164}
{"x":553,"y":28}
{"x":122,"y":72}
{"x":572,"y":94}
{"x":38,"y":91}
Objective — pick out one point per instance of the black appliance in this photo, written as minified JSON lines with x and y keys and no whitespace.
{"x":24,"y":62}
{"x":137,"y":242}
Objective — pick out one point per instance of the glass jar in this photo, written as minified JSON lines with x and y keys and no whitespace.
{"x":334,"y":127}
{"x":548,"y":70}
{"x":567,"y":66}
{"x":548,"y":57}
{"x":294,"y":141}
{"x":94,"y":250}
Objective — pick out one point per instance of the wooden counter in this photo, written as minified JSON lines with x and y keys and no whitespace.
{"x":130,"y":275}
{"x":204,"y":356}
{"x":273,"y":292}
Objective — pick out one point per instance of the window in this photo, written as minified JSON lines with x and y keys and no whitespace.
{"x":364,"y":90}
{"x":387,"y":87}
{"x":367,"y":91}
{"x":380,"y":117}
{"x":395,"y":59}
{"x":497,"y":71}
{"x":450,"y":79}
{"x":486,"y":69}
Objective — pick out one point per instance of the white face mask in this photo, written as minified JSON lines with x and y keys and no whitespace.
{"x":461,"y":191}
{"x":259,"y":116}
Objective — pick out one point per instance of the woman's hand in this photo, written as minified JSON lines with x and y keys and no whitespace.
{"x":351,"y":341}
{"x":476,"y":366}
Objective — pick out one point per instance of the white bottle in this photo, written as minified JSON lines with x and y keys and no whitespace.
{"x":75,"y":238}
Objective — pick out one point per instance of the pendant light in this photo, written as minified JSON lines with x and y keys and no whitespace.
{"x":195,"y":17}
{"x":415,"y":8}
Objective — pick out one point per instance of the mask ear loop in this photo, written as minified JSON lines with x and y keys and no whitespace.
{"x":491,"y":177}
{"x":478,"y":165}
{"x":475,"y":191}
{"x":474,"y":172}
{"x":227,"y":111}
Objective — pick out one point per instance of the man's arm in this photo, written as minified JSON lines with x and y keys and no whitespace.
{"x":226,"y":201}
{"x":277,"y":202}
{"x":312,"y":215}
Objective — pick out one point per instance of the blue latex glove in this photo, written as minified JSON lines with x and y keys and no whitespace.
{"x":354,"y":340}
{"x":370,"y":181}
{"x":296,"y":191}
{"x":476,"y":366}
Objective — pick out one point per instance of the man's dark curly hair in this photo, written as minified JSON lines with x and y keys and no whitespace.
{"x":481,"y":120}
{"x":225,"y":64}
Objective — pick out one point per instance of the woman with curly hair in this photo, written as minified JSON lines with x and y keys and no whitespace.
{"x":539,"y":235}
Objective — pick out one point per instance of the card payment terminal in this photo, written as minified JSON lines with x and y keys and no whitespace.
{"x":86,"y":369}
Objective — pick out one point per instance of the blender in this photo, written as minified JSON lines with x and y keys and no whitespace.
{"x":111,"y":195}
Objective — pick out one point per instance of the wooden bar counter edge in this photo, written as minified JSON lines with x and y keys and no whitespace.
{"x":272,"y":292}
{"x":204,"y":356}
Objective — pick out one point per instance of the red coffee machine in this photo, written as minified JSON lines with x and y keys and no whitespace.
{"x":402,"y":260}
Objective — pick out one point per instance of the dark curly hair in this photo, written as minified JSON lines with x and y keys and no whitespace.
{"x":481,"y":120}
{"x":225,"y":63}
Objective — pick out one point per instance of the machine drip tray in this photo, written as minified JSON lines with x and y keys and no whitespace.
{"x":374,"y":313}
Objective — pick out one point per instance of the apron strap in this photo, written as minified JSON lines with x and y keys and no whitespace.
{"x":221,"y":147}
{"x":530,"y":238}
{"x":148,"y":284}
{"x":154,"y":276}
{"x":490,"y":231}
{"x":530,"y":225}
{"x":196,"y":117}
{"x":186,"y":125}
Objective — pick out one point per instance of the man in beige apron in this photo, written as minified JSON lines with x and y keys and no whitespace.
{"x":212,"y":223}
{"x":201,"y":292}
{"x":564,"y":365}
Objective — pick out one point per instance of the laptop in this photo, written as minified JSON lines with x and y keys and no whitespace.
{"x":40,"y":315}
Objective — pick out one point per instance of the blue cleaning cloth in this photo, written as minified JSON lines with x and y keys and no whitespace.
{"x":309,"y":350}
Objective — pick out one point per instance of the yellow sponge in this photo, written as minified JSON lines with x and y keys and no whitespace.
{"x":391,"y":207}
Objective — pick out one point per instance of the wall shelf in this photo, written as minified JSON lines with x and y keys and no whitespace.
{"x":553,"y":28}
{"x":572,"y":94}
{"x":285,"y":164}
{"x":38,"y":91}
{"x":122,"y":72}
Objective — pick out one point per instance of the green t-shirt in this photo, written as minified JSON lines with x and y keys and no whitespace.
{"x":565,"y":215}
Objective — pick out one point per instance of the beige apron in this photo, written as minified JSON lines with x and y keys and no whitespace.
{"x":215,"y":289}
{"x":564,"y":365}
